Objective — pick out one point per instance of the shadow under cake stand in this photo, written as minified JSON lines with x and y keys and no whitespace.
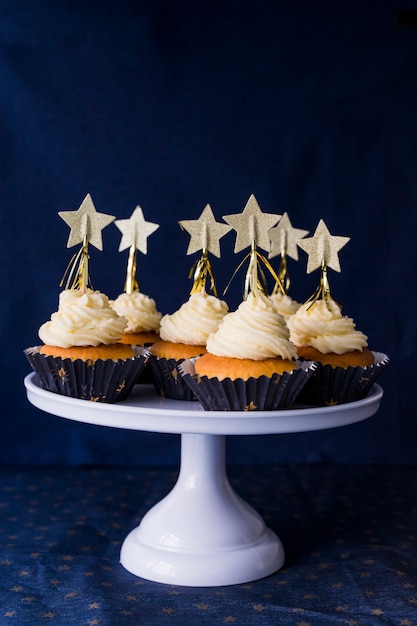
{"x":202,"y":533}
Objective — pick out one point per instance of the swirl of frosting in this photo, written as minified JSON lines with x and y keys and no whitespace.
{"x":322,"y":326}
{"x":284,"y":304}
{"x":254,"y":331}
{"x":84,"y":318}
{"x":194,"y":321}
{"x":139,"y":310}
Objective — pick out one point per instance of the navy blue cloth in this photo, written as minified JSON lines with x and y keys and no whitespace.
{"x":349,"y":533}
{"x":172,"y":105}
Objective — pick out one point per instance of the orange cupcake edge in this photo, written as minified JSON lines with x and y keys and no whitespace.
{"x":114,"y":352}
{"x":139,"y":339}
{"x":177,"y":351}
{"x":355,"y":358}
{"x":214,"y":366}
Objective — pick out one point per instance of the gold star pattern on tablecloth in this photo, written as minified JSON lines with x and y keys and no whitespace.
{"x":135,"y":231}
{"x":205,"y":232}
{"x":284,"y":238}
{"x":252,"y":225}
{"x":323,"y":248}
{"x":86,"y":222}
{"x":77,"y":527}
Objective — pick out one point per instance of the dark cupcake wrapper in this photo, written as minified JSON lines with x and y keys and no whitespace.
{"x":337,"y":385}
{"x":167,"y":379}
{"x":260,"y":394}
{"x":145,"y":377}
{"x":100,"y":381}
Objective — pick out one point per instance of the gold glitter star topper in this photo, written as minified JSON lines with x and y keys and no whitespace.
{"x":322,"y":250}
{"x":135,"y":232}
{"x":252,"y":227}
{"x":205,"y":236}
{"x":86,"y":225}
{"x":284,"y":238}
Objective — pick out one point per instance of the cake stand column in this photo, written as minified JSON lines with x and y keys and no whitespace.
{"x":202,"y":533}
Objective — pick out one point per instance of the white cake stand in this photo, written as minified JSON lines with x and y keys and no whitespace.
{"x":202,"y":533}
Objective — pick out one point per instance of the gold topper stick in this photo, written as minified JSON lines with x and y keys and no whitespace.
{"x":284,"y":239}
{"x":322,"y":250}
{"x":135,"y":232}
{"x":131,"y":282}
{"x":86,"y":225}
{"x":252,"y":227}
{"x":205,"y":236}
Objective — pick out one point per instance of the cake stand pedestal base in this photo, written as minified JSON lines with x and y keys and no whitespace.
{"x":202,"y":533}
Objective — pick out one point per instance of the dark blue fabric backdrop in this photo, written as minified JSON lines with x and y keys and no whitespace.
{"x":172,"y":105}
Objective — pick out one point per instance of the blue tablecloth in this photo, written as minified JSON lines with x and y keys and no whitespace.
{"x":350,"y":535}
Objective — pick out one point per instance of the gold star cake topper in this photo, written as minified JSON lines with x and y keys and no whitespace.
{"x":284,"y":238}
{"x":135,"y":232}
{"x":86,"y":225}
{"x":205,"y":236}
{"x":322,"y":250}
{"x":86,"y":222}
{"x":205,"y":232}
{"x":252,"y":227}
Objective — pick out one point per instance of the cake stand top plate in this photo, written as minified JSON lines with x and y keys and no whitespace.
{"x":146,"y":410}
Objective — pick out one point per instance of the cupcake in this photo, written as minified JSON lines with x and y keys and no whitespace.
{"x":183,"y":334}
{"x":142,"y":317}
{"x":347,"y":367}
{"x":250,"y":362}
{"x":81,"y":355}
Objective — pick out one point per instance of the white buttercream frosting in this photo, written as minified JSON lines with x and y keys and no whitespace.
{"x":322,"y":326}
{"x":254,"y":331}
{"x":284,"y":304}
{"x":84,"y":318}
{"x":194,"y":321}
{"x":139,"y":310}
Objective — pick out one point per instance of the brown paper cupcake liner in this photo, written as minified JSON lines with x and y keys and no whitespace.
{"x":259,"y":394}
{"x":337,"y":385}
{"x":167,"y":379}
{"x":100,"y":381}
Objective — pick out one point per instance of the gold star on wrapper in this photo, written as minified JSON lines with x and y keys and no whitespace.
{"x":135,"y":232}
{"x":252,"y":225}
{"x":86,"y":225}
{"x":284,"y":238}
{"x":205,"y":236}
{"x":322,"y":250}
